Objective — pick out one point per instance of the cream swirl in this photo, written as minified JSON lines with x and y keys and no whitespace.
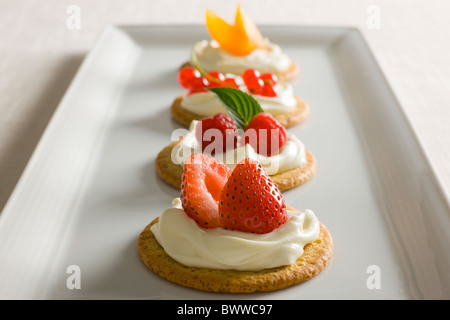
{"x":211,"y":57}
{"x":291,"y":155}
{"x":193,"y":246}
{"x":206,"y":104}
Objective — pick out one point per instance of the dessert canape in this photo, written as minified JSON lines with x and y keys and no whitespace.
{"x":235,"y":48}
{"x":246,"y":131}
{"x":275,"y":97}
{"x":230,"y":231}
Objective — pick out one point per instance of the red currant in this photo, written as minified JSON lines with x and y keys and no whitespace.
{"x":254,"y":86}
{"x":186,"y":75}
{"x":269,"y":78}
{"x":198,"y":85}
{"x":230,"y":83}
{"x":215,"y":79}
{"x":250,"y":75}
{"x":268,"y":91}
{"x":260,"y":83}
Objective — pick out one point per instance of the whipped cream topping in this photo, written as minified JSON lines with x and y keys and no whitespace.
{"x":206,"y":104}
{"x":218,"y":248}
{"x":211,"y":56}
{"x":291,"y":155}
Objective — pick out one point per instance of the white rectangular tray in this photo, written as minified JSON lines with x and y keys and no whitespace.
{"x":91,"y":187}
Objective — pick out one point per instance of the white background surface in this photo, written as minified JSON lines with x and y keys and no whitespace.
{"x":39,"y":55}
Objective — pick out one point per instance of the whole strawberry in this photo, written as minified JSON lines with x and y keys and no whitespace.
{"x":250,"y":201}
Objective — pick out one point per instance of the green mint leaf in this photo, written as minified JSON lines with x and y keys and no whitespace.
{"x":241,"y":106}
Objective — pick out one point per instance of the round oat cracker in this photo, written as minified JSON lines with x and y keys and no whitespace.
{"x":315,"y":257}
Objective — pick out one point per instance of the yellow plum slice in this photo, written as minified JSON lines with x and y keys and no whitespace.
{"x":239,"y":39}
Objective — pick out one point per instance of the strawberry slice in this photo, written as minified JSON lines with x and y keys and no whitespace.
{"x":202,"y":182}
{"x":250,"y":201}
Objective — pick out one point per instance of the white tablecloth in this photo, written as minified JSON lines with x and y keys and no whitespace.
{"x":40,"y":53}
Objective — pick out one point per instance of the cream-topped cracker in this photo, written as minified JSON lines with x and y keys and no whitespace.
{"x":206,"y":104}
{"x":211,"y":57}
{"x":262,"y":137}
{"x":292,"y":154}
{"x":230,"y":231}
{"x":189,"y":244}
{"x":233,"y":48}
{"x":275,"y":97}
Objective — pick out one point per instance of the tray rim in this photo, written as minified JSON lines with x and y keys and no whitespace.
{"x":40,"y":276}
